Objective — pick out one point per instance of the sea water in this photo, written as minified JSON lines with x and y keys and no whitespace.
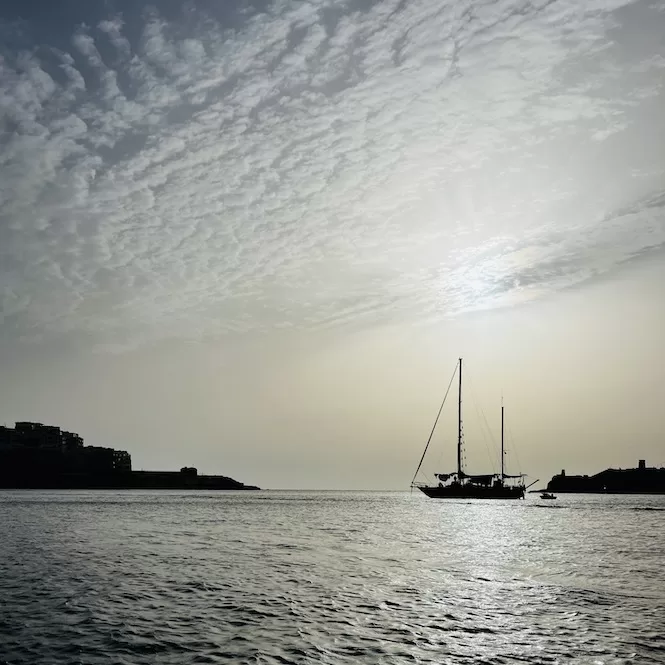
{"x":329,"y":577}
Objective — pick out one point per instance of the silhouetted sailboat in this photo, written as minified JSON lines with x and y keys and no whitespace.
{"x":461,"y":485}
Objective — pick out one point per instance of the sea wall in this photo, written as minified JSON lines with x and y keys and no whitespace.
{"x":156,"y":480}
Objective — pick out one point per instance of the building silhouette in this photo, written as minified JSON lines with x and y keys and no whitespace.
{"x":45,"y":454}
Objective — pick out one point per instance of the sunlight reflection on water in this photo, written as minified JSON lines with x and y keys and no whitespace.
{"x":329,"y":577}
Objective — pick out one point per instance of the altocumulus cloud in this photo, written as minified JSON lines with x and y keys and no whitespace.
{"x":315,"y":163}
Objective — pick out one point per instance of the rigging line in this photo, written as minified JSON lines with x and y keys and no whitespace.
{"x":481,"y":413}
{"x":479,"y":408}
{"x":434,"y":426}
{"x":440,"y":457}
{"x":514,"y":447}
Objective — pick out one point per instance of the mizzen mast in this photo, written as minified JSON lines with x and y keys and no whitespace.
{"x":502,"y":453}
{"x":459,"y":423}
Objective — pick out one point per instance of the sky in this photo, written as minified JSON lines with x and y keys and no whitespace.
{"x":254,"y":237}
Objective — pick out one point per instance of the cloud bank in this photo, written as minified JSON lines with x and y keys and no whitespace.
{"x":318,"y":163}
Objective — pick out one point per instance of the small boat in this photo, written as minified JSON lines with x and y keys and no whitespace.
{"x":461,"y":485}
{"x":547,"y":495}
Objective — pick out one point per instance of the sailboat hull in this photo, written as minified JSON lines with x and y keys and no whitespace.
{"x":457,"y":491}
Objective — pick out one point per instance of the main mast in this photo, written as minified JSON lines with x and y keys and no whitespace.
{"x":459,"y":424}
{"x":502,"y":473}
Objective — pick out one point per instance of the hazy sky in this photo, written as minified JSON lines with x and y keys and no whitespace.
{"x":254,"y":237}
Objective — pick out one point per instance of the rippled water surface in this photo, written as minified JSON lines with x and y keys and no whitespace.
{"x":329,"y":577}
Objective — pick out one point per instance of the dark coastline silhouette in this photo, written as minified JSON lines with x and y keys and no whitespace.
{"x":642,"y":480}
{"x":36,"y":456}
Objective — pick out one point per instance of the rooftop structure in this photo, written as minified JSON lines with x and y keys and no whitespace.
{"x":37,"y":435}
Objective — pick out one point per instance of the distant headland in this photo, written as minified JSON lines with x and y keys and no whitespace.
{"x":36,"y":456}
{"x":642,"y":480}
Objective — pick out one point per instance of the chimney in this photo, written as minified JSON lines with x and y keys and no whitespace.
{"x":642,"y":465}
